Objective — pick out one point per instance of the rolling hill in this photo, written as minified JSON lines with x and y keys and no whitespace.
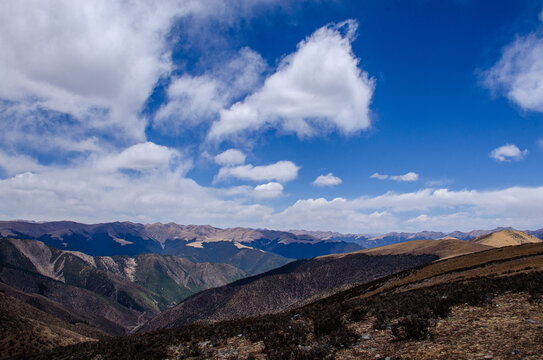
{"x":505,"y":238}
{"x":443,"y":248}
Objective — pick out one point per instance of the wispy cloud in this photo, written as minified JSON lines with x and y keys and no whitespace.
{"x":230,"y":157}
{"x":519,"y":72}
{"x":407,"y":177}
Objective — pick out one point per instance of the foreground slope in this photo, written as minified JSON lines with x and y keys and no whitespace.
{"x":289,"y":286}
{"x":482,"y":305}
{"x":505,"y":238}
{"x":25,"y":328}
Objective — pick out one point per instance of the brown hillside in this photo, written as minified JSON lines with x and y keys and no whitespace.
{"x":505,"y":238}
{"x":482,"y":305}
{"x":443,"y":248}
{"x":27,"y":329}
{"x":278,"y":290}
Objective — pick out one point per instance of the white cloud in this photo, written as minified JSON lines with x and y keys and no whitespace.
{"x":327,"y":180}
{"x":508,"y":152}
{"x":268,"y":191}
{"x":437,"y":209}
{"x":408,"y":177}
{"x":281,"y":171}
{"x":317,"y":89}
{"x":140,"y":157}
{"x":192,"y":99}
{"x":230,"y":157}
{"x":379,"y":176}
{"x":197,"y":99}
{"x":90,"y":193}
{"x":97,"y":61}
{"x":75,"y":72}
{"x":159,"y":191}
{"x":519,"y":72}
{"x":14,"y":164}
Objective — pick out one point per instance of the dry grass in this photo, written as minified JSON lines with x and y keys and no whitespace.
{"x":27,"y":329}
{"x":499,"y":330}
{"x":505,"y":238}
{"x":443,"y":248}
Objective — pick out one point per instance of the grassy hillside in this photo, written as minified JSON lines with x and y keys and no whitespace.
{"x":443,"y":248}
{"x":505,"y":238}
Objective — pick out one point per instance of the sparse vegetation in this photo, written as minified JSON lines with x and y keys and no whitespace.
{"x":406,"y":313}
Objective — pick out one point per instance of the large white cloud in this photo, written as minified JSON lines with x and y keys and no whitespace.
{"x":317,"y":89}
{"x":80,"y":72}
{"x":508,"y":152}
{"x":95,"y":60}
{"x":281,"y":171}
{"x":519,"y":72}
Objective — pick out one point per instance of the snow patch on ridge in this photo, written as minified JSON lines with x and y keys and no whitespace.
{"x":196,"y":244}
{"x":123,"y":242}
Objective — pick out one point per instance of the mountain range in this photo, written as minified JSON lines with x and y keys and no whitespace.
{"x":253,"y":251}
{"x":370,"y":241}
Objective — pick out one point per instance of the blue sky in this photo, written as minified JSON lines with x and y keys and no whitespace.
{"x":352,"y":116}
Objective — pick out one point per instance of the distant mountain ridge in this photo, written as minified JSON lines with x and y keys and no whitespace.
{"x":369,"y":241}
{"x":253,"y":251}
{"x":505,"y":238}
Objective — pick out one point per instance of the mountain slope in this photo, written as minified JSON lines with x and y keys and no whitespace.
{"x":283,"y":288}
{"x":443,"y":248}
{"x":122,"y":291}
{"x":481,"y":305}
{"x":505,"y":238}
{"x":25,"y":328}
